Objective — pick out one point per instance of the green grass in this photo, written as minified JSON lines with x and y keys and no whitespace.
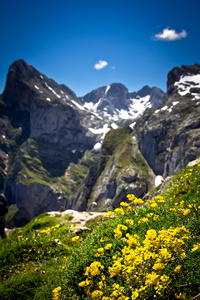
{"x":33,"y":257}
{"x":40,"y":257}
{"x":184,"y":187}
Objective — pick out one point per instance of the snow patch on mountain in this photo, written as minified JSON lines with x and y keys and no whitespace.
{"x":97,"y":146}
{"x":138,"y":105}
{"x":77,"y":105}
{"x":107,"y":89}
{"x":186,"y":83}
{"x":91,"y":106}
{"x":114,"y":126}
{"x":103,"y":130}
{"x":52,"y":90}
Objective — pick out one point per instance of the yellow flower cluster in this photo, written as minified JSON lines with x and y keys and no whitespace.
{"x":154,"y":203}
{"x":152,"y":216}
{"x":49,"y":229}
{"x":180,"y":208}
{"x":117,"y":291}
{"x":141,"y":264}
{"x":105,"y":239}
{"x":109,"y":213}
{"x":125,"y":204}
{"x":146,"y":264}
{"x":97,"y":294}
{"x":196,"y":247}
{"x":143,"y":220}
{"x":134,"y":199}
{"x":129,"y":221}
{"x":108,"y":246}
{"x":56,"y":293}
{"x":94,"y":269}
{"x":118,"y":230}
{"x":119,"y":211}
{"x":160,"y":199}
{"x":77,"y":239}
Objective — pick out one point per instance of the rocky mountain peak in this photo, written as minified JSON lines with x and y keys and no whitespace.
{"x":23,"y":78}
{"x":114,"y":102}
{"x":177,"y":73}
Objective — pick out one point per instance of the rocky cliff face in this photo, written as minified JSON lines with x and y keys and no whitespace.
{"x":58,"y":151}
{"x":44,"y":135}
{"x":172,"y":132}
{"x":121,"y":170}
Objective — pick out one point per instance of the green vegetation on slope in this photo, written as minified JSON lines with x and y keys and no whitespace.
{"x":115,"y":140}
{"x":137,"y":252}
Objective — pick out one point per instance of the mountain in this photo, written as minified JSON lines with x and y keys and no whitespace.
{"x":58,"y":151}
{"x":114,"y":102}
{"x":173,"y":131}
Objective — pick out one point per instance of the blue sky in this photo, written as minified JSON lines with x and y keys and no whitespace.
{"x":88,"y":44}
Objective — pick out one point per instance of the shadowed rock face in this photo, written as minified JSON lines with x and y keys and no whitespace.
{"x":169,"y":138}
{"x":38,"y":110}
{"x":41,"y":108}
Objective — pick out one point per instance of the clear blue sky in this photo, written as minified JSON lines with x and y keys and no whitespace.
{"x":136,"y":42}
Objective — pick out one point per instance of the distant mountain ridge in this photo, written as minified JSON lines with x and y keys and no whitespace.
{"x":58,"y":151}
{"x":115,"y":102}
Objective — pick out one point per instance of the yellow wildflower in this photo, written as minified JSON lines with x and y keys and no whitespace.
{"x":138,"y":201}
{"x":195,"y":247}
{"x":97,"y":294}
{"x":118,"y":233}
{"x":158,"y":197}
{"x":95,"y":268}
{"x":183,"y":255}
{"x":56,"y":293}
{"x":108,"y":246}
{"x":143,"y":220}
{"x":109,"y":213}
{"x":154,"y":205}
{"x":158,"y":266}
{"x":164,"y":253}
{"x":101,"y":251}
{"x":131,"y":197}
{"x":135,"y":294}
{"x":125,"y":204}
{"x":119,"y":211}
{"x":186,"y":212}
{"x":85,"y":283}
{"x":129,"y":221}
{"x":180,"y":296}
{"x":75,"y":238}
{"x":122,"y":227}
{"x":177,"y":269}
{"x":151,"y":279}
{"x":105,"y":239}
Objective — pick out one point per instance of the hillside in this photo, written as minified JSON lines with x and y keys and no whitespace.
{"x":142,"y":250}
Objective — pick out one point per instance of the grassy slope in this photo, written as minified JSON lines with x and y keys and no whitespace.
{"x":33,"y":262}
